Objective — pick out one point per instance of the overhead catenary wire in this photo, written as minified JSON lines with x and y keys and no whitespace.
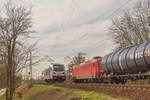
{"x":68,"y":19}
{"x":96,"y":46}
{"x":68,"y":22}
{"x":61,"y":26}
{"x":77,"y":41}
{"x":99,"y":45}
{"x":95,"y":26}
{"x":108,"y":10}
{"x":91,"y":30}
{"x":102,"y":22}
{"x":67,"y":15}
{"x":71,"y":16}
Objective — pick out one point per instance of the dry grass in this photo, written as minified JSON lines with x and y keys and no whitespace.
{"x":45,"y":92}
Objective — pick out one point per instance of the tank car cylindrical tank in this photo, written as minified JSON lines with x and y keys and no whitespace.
{"x":135,"y":59}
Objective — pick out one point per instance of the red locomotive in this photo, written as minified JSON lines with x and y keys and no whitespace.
{"x":89,"y":72}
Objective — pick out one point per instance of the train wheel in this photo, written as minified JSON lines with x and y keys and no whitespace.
{"x":123,"y":81}
{"x":74,"y":80}
{"x":53,"y":81}
{"x":117,"y":82}
{"x":111,"y":82}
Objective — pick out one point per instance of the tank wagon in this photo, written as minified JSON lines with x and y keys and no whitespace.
{"x":56,"y":72}
{"x":130,"y":63}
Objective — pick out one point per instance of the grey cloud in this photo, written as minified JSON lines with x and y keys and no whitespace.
{"x":84,"y":16}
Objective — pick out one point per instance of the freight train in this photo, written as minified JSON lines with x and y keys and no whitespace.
{"x":56,"y":72}
{"x":118,"y":67}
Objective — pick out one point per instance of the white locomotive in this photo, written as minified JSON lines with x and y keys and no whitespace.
{"x":56,"y":72}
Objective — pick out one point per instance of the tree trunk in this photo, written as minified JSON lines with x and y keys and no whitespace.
{"x":10,"y":76}
{"x":9,"y":94}
{"x":10,"y":87}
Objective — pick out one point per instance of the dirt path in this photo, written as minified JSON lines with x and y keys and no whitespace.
{"x":2,"y":91}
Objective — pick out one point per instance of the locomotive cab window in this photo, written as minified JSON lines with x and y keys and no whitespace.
{"x":99,"y":64}
{"x":58,"y":67}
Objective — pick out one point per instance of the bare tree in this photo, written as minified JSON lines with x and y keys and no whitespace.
{"x":76,"y":60}
{"x":15,"y":26}
{"x":133,"y":27}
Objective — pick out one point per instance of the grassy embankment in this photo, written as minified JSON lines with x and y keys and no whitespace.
{"x":43,"y":92}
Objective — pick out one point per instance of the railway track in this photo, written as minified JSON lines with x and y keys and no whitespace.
{"x":131,"y":87}
{"x":112,"y":86}
{"x":138,"y":87}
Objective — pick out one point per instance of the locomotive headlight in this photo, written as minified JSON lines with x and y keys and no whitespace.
{"x":63,"y":72}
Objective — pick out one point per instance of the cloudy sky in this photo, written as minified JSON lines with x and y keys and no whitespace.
{"x":66,"y":27}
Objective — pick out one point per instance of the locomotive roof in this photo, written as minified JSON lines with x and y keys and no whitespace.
{"x":86,"y":63}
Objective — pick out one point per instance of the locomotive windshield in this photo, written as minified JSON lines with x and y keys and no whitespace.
{"x":58,"y":67}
